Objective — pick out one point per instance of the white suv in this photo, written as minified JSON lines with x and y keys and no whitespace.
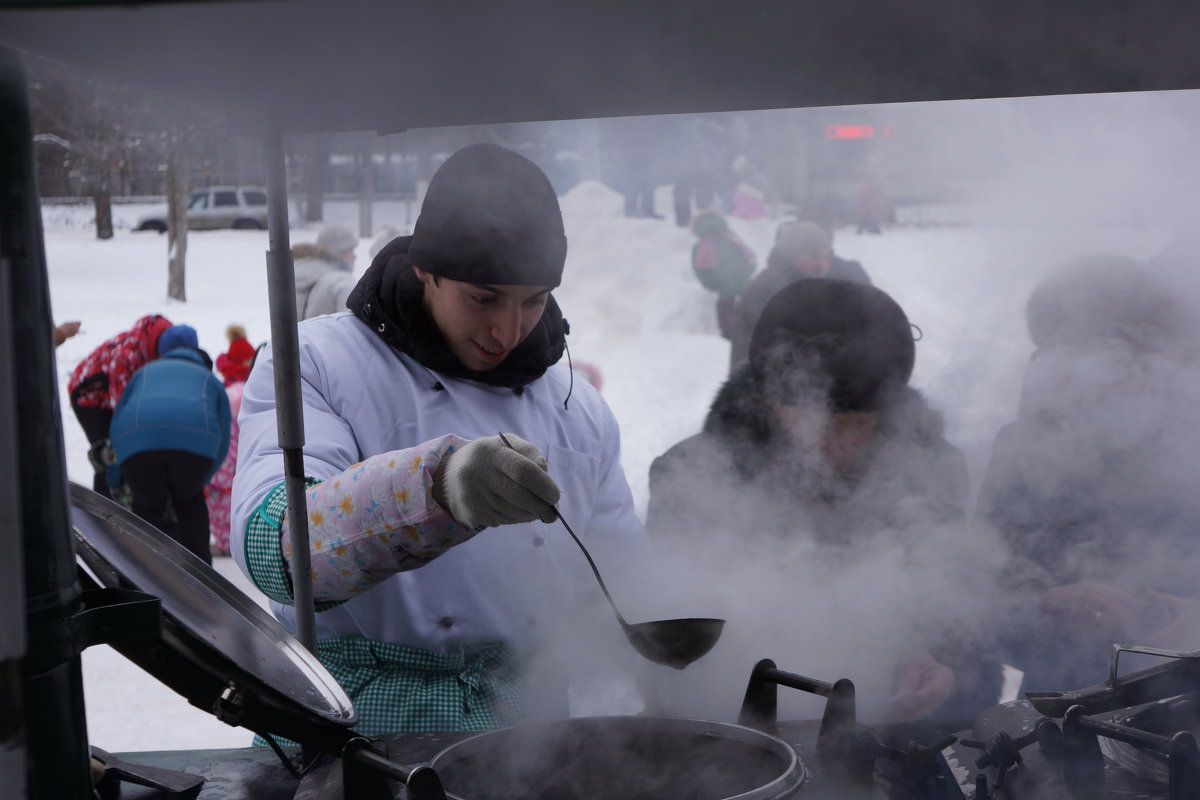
{"x":242,"y":207}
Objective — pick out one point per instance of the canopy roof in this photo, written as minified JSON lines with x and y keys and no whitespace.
{"x":394,"y":64}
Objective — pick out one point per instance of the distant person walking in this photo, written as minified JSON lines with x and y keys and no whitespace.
{"x":170,"y":432}
{"x":722,"y":262}
{"x":325,"y":272}
{"x":868,"y":208}
{"x":98,"y":381}
{"x":634,"y":151}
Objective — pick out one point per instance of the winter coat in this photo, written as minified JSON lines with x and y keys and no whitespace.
{"x":370,"y":387}
{"x":218,"y":493}
{"x":234,"y":364}
{"x":173,"y":403}
{"x":763,"y":286}
{"x":99,"y":379}
{"x":720,"y":259}
{"x":323,"y":281}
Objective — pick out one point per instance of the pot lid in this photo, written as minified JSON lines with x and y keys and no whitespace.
{"x":223,"y":652}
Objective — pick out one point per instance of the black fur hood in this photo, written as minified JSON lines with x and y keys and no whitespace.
{"x":740,"y":419}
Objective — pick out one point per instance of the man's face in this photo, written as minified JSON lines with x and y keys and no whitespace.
{"x":841,"y":437}
{"x":813,"y":264}
{"x":482,"y":323}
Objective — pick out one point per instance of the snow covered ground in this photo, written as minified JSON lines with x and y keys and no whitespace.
{"x":636,"y":312}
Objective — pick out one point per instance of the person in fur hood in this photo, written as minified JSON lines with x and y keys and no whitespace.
{"x":324,"y":272}
{"x":819,"y":434}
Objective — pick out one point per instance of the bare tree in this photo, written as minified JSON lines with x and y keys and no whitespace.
{"x":96,"y":118}
{"x":99,"y":128}
{"x":177,"y":227}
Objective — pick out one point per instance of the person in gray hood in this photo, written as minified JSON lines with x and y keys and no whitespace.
{"x":819,"y":434}
{"x":1092,"y":484}
{"x":324,"y":272}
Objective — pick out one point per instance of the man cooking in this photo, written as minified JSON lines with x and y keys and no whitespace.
{"x":452,"y":336}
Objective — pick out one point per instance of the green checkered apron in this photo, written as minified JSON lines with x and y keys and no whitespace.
{"x":395,"y":688}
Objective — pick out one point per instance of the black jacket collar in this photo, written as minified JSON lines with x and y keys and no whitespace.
{"x":388,"y":299}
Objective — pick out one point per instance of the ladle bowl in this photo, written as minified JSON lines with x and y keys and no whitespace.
{"x":673,"y":643}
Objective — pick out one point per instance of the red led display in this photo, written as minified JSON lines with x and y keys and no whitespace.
{"x":849,"y":131}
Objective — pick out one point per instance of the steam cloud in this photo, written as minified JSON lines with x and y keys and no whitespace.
{"x":1041,"y":182}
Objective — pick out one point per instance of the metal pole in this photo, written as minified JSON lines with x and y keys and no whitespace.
{"x":285,"y":355}
{"x":51,"y":672}
{"x":12,"y":578}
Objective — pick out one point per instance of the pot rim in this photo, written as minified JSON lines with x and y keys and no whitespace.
{"x":793,"y":774}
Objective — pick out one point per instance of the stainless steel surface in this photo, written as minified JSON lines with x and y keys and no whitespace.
{"x":135,"y":554}
{"x":526,"y":753}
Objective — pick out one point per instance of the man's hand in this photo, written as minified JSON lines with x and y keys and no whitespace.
{"x":922,"y":684}
{"x":487,"y":482}
{"x":1096,"y":609}
{"x":65,"y":331}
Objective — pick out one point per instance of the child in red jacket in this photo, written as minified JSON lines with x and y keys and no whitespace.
{"x":96,"y":384}
{"x":234,"y":364}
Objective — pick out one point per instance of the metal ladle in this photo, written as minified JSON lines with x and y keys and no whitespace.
{"x":670,"y":642}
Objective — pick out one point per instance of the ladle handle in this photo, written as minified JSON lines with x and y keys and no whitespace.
{"x":584,"y":550}
{"x":595,"y":571}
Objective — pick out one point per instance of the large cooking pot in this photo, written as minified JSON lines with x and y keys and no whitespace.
{"x":631,"y":758}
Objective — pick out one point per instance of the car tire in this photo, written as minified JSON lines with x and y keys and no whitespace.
{"x":153,"y":225}
{"x":247,"y":225}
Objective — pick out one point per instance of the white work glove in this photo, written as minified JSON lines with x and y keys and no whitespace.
{"x":486,"y":483}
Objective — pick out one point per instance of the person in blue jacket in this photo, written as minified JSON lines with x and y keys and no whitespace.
{"x":170,"y":433}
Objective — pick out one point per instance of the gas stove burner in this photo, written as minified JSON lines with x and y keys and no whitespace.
{"x":1166,"y":718}
{"x":1134,"y":736}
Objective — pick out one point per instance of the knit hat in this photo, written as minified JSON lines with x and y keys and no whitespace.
{"x":336,"y":239}
{"x":801,"y":238}
{"x":1102,"y":297}
{"x":840,"y":343}
{"x":177,"y":336}
{"x":490,"y":216}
